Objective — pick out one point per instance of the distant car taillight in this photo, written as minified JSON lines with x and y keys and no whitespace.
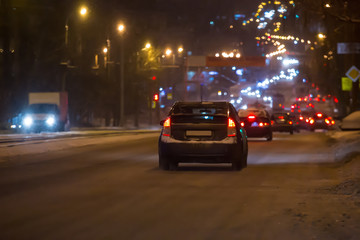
{"x":231,"y":129}
{"x":167,"y":127}
{"x":242,"y":124}
{"x":301,"y":118}
{"x":332,"y":122}
{"x":311,"y":121}
{"x":290,"y":122}
{"x":272,"y":122}
{"x":319,"y":115}
{"x":327,"y":121}
{"x":261,"y":124}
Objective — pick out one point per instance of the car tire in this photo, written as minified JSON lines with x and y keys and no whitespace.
{"x":269,"y":137}
{"x":236,"y":165}
{"x":163,"y":162}
{"x":237,"y":161}
{"x":173,"y":165}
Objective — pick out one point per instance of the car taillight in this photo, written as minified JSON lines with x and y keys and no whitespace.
{"x":231,"y":129}
{"x":307,"y":120}
{"x":301,"y":118}
{"x":332,"y":122}
{"x":261,"y":124}
{"x":319,"y":115}
{"x":290,"y":122}
{"x":167,"y":127}
{"x":311,"y":121}
{"x":242,"y":124}
{"x":272,"y":122}
{"x":327,"y":121}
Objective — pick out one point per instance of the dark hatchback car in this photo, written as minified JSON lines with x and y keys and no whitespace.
{"x":320,"y":121}
{"x":202,"y":132}
{"x":256,"y":123}
{"x":282,"y":122}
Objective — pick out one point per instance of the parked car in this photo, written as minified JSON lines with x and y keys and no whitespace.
{"x":282,"y":122}
{"x":202,"y":132}
{"x":256,"y":123}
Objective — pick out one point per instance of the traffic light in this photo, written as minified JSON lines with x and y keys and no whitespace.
{"x":156,"y":97}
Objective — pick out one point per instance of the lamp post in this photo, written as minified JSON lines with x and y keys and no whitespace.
{"x":121,"y":29}
{"x":83,"y":11}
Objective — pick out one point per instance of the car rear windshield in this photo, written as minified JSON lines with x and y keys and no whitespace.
{"x":200,"y":109}
{"x":281,"y":115}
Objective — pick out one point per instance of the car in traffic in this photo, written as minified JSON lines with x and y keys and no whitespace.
{"x":202,"y":132}
{"x":320,"y":120}
{"x":256,"y":123}
{"x":282,"y":122}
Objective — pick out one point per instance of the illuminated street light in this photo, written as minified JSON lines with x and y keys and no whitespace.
{"x":327,"y":5}
{"x":148,"y":45}
{"x":321,"y":36}
{"x":180,"y":50}
{"x":168,"y":52}
{"x":121,"y":28}
{"x":83,"y":11}
{"x":105,"y":50}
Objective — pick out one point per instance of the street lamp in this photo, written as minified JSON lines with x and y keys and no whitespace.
{"x":83,"y":13}
{"x":121,"y":29}
{"x":321,"y":36}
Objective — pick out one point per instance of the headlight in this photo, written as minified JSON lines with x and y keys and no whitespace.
{"x":50,"y":121}
{"x":28,"y":121}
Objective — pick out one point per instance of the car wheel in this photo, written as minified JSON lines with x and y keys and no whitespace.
{"x":237,"y":161}
{"x":173,"y":165}
{"x":236,"y":165}
{"x":163,"y":162}
{"x":269,"y":137}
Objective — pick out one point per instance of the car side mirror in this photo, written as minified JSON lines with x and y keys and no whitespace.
{"x":162,"y":122}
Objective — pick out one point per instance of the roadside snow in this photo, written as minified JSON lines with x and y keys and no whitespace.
{"x":42,"y":146}
{"x":352,"y":121}
{"x":346,"y":142}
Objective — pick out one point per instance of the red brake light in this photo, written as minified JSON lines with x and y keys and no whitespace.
{"x":231,"y":128}
{"x":231,"y":123}
{"x":261,"y":124}
{"x":319,"y":115}
{"x":290,"y":122}
{"x":301,"y":118}
{"x":281,"y":117}
{"x":242,"y":124}
{"x":251,"y":117}
{"x":166,"y":125}
{"x":311,"y":121}
{"x":167,"y":122}
{"x":272,"y":122}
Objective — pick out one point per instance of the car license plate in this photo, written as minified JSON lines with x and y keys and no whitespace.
{"x":254,"y":124}
{"x":319,"y":121}
{"x":198,"y":133}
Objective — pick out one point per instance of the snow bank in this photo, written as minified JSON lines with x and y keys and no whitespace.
{"x":345,"y":143}
{"x":42,"y":146}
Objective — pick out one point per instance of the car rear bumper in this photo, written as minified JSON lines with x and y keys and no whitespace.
{"x":199,"y":151}
{"x":258,"y":131}
{"x":285,"y":128}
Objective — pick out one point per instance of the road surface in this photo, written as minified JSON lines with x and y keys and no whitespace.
{"x":291,"y":189}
